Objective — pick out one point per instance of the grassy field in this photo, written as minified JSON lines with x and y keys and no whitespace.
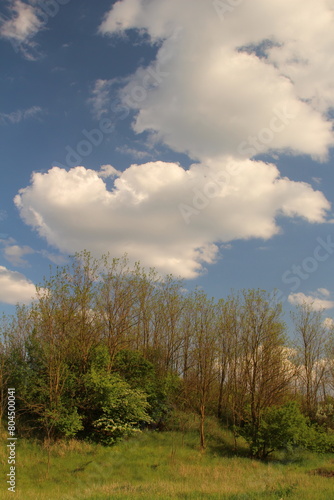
{"x":165,"y":465}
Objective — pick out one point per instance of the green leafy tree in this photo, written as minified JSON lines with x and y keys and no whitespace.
{"x":113,"y":409}
{"x":51,"y":411}
{"x":161,"y":390}
{"x":280,"y":427}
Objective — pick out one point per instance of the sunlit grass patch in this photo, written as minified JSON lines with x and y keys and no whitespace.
{"x":167,"y":465}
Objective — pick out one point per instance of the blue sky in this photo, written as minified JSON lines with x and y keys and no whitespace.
{"x":195,"y":136}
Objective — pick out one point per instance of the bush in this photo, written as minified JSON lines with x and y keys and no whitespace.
{"x":319,"y":439}
{"x":62,"y":421}
{"x":325,"y":413}
{"x":140,"y":374}
{"x":280,"y":427}
{"x":117,"y":409}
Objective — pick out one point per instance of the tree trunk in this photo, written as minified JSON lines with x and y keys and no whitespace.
{"x":202,"y":421}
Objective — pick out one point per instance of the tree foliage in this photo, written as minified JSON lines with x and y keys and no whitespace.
{"x":108,"y":348}
{"x":280,"y":427}
{"x":118,"y":410}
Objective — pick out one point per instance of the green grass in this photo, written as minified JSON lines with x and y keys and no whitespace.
{"x":166,"y":465}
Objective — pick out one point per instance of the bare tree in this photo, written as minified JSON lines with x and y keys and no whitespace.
{"x":228,"y":317}
{"x":263,"y":340}
{"x":203,"y":373}
{"x":115,"y":305}
{"x":309,"y":342}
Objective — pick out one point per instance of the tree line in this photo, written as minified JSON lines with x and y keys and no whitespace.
{"x":108,"y":348}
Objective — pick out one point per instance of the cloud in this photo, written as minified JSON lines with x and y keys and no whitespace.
{"x":316,"y":299}
{"x":14,"y":254}
{"x":328,"y":323}
{"x":135,"y":153}
{"x":23,"y":23}
{"x":100,"y":99}
{"x":258,"y":81}
{"x":161,"y":214}
{"x":324,"y":292}
{"x":3,"y":215}
{"x":21,"y":26}
{"x":19,"y":115}
{"x":108,"y":171}
{"x":14,"y":287}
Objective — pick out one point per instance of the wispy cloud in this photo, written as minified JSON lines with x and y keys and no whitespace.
{"x":14,"y":254}
{"x":135,"y":153}
{"x":20,"y":26}
{"x":100,"y":98}
{"x":23,"y":20}
{"x":19,"y":115}
{"x":57,"y":259}
{"x":318,"y":300}
{"x":3,"y":215}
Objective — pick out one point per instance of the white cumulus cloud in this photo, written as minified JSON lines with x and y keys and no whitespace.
{"x":259,"y":80}
{"x":161,"y":214}
{"x":15,"y":288}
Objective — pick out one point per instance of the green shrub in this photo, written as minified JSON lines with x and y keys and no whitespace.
{"x":64,"y":421}
{"x":117,"y":409}
{"x":320,"y":440}
{"x":140,"y":374}
{"x":284,"y":428}
{"x":280,"y":427}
